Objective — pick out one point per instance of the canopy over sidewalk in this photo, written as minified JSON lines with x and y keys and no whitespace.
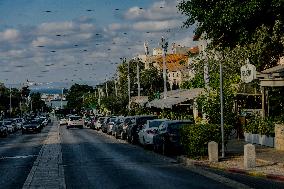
{"x":175,"y":97}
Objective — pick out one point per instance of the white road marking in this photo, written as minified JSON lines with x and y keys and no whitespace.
{"x":17,"y":157}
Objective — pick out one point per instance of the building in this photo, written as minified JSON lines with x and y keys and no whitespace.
{"x":177,"y":63}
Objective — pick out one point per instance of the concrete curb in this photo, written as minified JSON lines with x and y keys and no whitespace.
{"x":192,"y":162}
{"x":47,"y":170}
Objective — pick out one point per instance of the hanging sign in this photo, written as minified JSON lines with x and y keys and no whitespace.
{"x":248,"y":73}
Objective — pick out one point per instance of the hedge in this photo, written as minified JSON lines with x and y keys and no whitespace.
{"x":195,"y":138}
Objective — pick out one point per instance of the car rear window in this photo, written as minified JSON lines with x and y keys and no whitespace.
{"x":74,"y":118}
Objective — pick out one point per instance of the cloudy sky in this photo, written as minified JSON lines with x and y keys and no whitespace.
{"x":81,"y":40}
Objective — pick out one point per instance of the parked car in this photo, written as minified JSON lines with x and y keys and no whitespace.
{"x":10,"y":126}
{"x":106,"y":122}
{"x":168,"y":136}
{"x":63,"y":121}
{"x":148,"y":131}
{"x":44,"y":120}
{"x":98,"y":123}
{"x":136,"y":125}
{"x":31,"y":126}
{"x":75,"y":122}
{"x":110,"y":125}
{"x":119,"y":120}
{"x":120,"y":129}
{"x":18,"y":122}
{"x":3,"y":130}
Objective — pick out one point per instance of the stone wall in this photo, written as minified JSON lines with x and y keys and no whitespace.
{"x":279,"y":137}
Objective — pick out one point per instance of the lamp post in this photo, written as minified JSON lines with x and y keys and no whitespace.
{"x":222,"y":107}
{"x":10,"y":101}
{"x":138,"y":79}
{"x":164,"y":46}
{"x":61,"y":103}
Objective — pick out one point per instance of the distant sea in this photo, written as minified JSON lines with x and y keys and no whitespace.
{"x":47,"y":91}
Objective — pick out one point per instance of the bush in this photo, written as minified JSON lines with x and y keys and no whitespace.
{"x":195,"y":138}
{"x":258,"y":125}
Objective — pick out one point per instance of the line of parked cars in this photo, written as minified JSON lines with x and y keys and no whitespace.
{"x":29,"y":124}
{"x":161,"y":135}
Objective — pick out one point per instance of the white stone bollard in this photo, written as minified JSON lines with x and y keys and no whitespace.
{"x":249,"y":156}
{"x":213,"y":151}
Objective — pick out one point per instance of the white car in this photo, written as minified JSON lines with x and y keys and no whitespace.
{"x":19,"y":123}
{"x":9,"y":125}
{"x":75,"y":122}
{"x":98,"y":123}
{"x":63,"y":121}
{"x":148,"y":131}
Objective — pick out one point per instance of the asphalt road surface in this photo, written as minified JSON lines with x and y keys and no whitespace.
{"x":91,"y":159}
{"x":17,"y":155}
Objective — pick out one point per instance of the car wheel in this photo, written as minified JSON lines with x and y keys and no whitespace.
{"x":23,"y":132}
{"x":67,"y":127}
{"x":115,"y":135}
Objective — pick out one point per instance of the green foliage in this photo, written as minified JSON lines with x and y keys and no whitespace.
{"x":254,"y":26}
{"x":75,"y":96}
{"x":175,"y":115}
{"x":195,"y":138}
{"x":37,"y":103}
{"x":196,"y":82}
{"x":258,"y":125}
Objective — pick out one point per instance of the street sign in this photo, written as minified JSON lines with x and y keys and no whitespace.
{"x":248,"y":73}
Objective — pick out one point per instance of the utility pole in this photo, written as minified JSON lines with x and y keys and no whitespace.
{"x":222,"y":107}
{"x":128,"y":78}
{"x":10,"y":101}
{"x":164,"y":46}
{"x":61,"y":105}
{"x":115,"y":87}
{"x":106,"y":89}
{"x":138,"y":78}
{"x":99,"y":91}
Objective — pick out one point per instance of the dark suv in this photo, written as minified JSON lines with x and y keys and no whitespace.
{"x":168,"y":136}
{"x":3,"y":130}
{"x":136,"y":125}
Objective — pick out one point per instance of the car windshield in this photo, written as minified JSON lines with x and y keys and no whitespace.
{"x":112,"y":119}
{"x":155,"y":123}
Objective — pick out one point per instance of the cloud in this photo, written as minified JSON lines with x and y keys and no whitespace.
{"x":118,"y":27}
{"x":9,"y":35}
{"x":156,"y":25}
{"x":161,"y":10}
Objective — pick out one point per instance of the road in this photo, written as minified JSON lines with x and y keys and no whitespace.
{"x":17,"y":155}
{"x":91,"y":159}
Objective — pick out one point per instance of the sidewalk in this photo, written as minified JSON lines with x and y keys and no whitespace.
{"x":47,"y":170}
{"x":269,"y":162}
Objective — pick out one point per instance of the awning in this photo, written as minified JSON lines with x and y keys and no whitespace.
{"x":175,"y":97}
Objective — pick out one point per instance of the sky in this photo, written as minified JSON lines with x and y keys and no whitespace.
{"x":81,"y":41}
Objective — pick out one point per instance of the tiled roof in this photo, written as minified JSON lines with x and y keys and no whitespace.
{"x":173,"y":62}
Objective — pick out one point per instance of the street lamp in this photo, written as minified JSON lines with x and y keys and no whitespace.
{"x":164,"y":46}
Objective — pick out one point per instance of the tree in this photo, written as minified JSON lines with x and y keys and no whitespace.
{"x":151,"y":82}
{"x":76,"y":94}
{"x":37,"y":103}
{"x":255,"y":25}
